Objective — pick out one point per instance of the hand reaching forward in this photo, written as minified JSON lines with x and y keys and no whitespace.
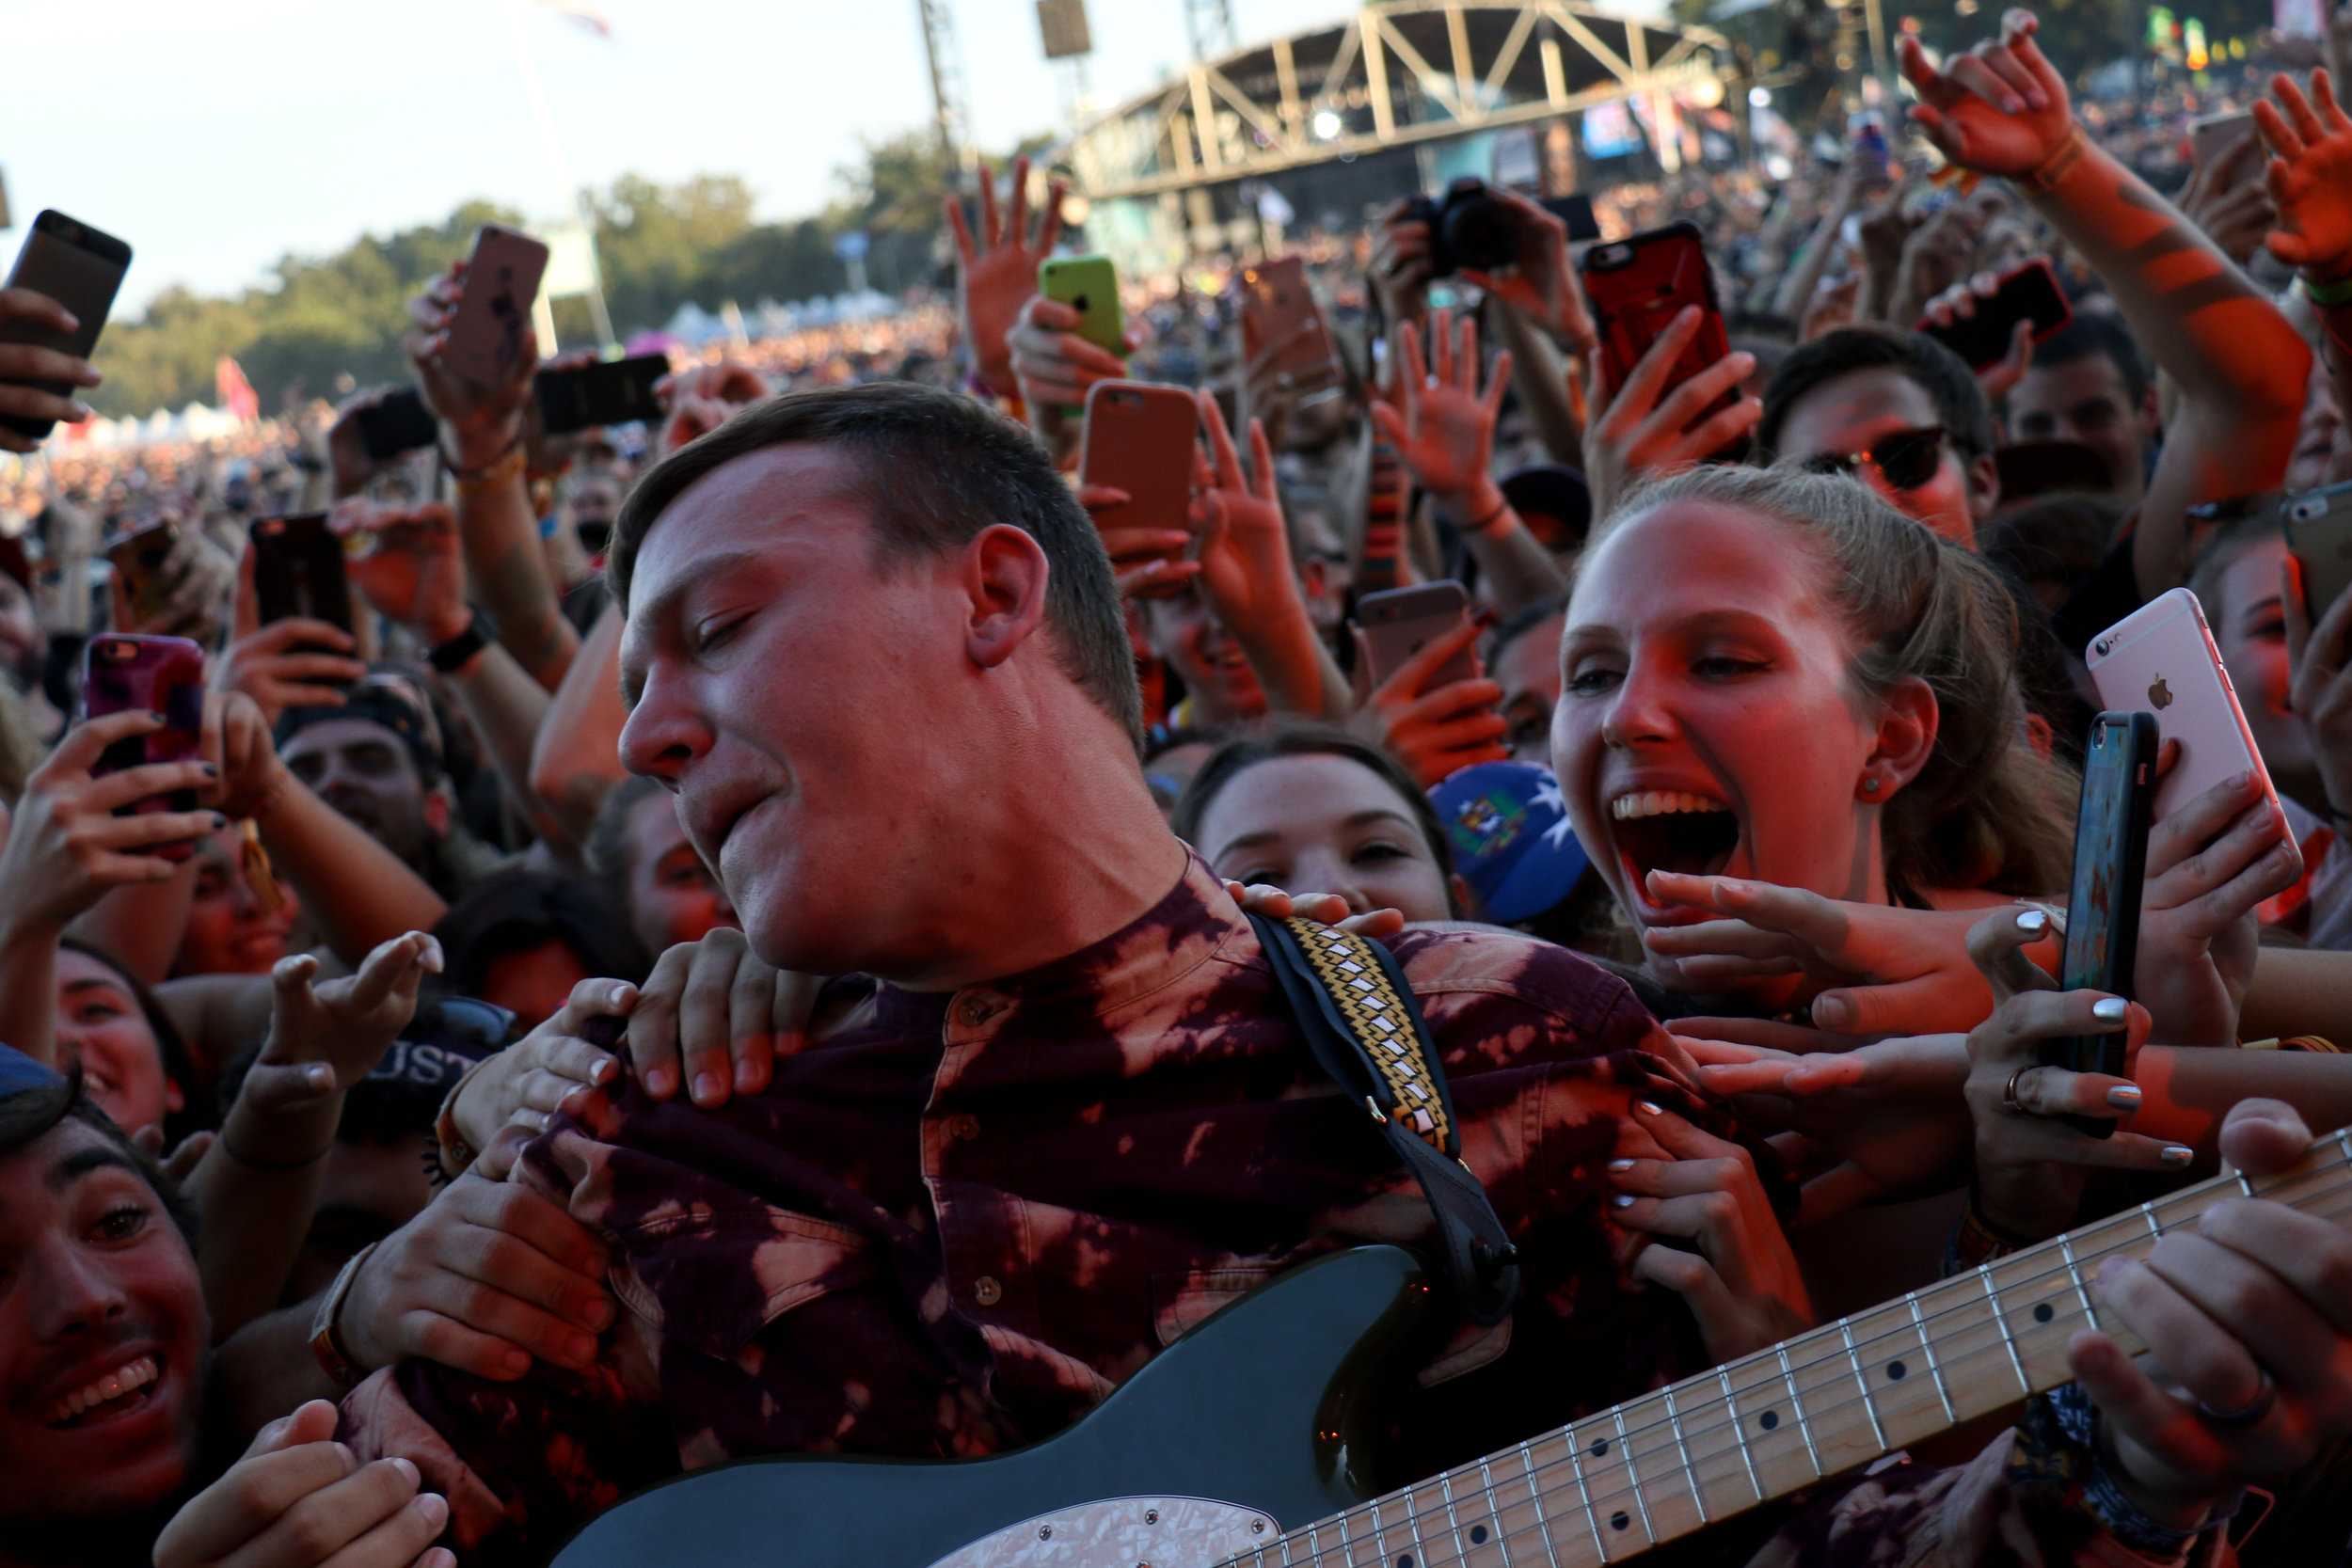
{"x":995,"y":276}
{"x":2309,"y":176}
{"x":1444,"y":428}
{"x":324,"y":1036}
{"x":299,"y":1499}
{"x":2001,"y":108}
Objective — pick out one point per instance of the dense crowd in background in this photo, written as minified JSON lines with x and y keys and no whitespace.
{"x":742,"y":942}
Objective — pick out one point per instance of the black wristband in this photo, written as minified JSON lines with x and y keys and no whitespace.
{"x":454,"y":654}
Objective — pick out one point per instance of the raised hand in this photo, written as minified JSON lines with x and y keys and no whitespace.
{"x":1051,"y":364}
{"x":697,"y":402}
{"x":2309,"y":176}
{"x":1645,"y":429}
{"x":1400,"y":264}
{"x":995,"y":276}
{"x":289,"y":663}
{"x":1147,"y":563}
{"x":24,"y":362}
{"x":480,"y":423}
{"x":326,"y":1035}
{"x":66,"y":849}
{"x":348,"y":458}
{"x":1958,"y":304}
{"x":299,"y":1499}
{"x":2210,"y":865}
{"x":1245,"y":554}
{"x":2236,"y":210}
{"x":2001,"y":108}
{"x":1443,"y":428}
{"x":1437,"y":731}
{"x":414,"y":571}
{"x":1540,"y":285}
{"x":1743,"y":1284}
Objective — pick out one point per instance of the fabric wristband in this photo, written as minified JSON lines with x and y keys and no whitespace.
{"x":459,"y":651}
{"x":325,"y":1345}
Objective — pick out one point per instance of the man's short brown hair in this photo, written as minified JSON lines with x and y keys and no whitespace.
{"x":933,"y":468}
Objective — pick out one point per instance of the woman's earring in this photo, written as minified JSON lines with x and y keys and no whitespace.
{"x":1871,"y":785}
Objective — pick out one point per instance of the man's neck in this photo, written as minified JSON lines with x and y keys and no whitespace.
{"x":1067,"y":863}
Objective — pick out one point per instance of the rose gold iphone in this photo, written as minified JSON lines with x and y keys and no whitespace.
{"x":2161,"y":659}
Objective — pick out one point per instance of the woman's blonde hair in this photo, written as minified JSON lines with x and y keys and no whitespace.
{"x":1988,"y":810}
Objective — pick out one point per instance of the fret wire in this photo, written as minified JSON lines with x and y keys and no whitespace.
{"x":1412,"y":1521}
{"x":1487,"y":1490}
{"x":1911,"y":1299}
{"x":1379,"y":1535}
{"x":1845,"y":1332}
{"x":1674,"y":1418}
{"x":2148,"y":1212}
{"x":1314,"y":1542}
{"x":1453,"y":1521}
{"x":1536,"y":1496}
{"x":1283,"y":1541}
{"x":1805,"y":1427}
{"x":1738,"y":1432}
{"x":1632,"y":1477}
{"x":2243,"y":1185}
{"x":2016,"y":1364}
{"x":2066,"y":1250}
{"x":2344,"y":1139}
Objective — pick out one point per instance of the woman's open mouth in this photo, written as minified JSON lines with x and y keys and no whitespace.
{"x":1671,"y":830}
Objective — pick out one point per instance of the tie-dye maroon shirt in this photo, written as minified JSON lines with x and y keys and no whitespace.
{"x":956,"y":1222}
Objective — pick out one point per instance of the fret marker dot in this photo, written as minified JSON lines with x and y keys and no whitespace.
{"x":1478,"y":1535}
{"x":1600,"y":1446}
{"x":1619,"y":1520}
{"x":1770,"y":1420}
{"x":1894,"y":1370}
{"x":2042,"y":1313}
{"x":1405,"y":1562}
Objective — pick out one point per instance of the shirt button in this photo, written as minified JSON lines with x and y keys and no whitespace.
{"x":973,"y":1011}
{"x":964,"y":1125}
{"x":987,"y":1291}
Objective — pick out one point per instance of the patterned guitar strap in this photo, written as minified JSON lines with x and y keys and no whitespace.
{"x":1365,"y":1030}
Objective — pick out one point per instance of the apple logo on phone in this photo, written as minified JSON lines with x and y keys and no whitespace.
{"x":2159,"y":694}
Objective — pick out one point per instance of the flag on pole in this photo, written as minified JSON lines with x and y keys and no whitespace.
{"x":233,"y":393}
{"x":593,"y":20}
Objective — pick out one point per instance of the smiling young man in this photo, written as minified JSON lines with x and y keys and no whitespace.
{"x":1059,"y":1115}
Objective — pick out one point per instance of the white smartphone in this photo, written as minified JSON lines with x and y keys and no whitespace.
{"x":2210,"y":137}
{"x":492,"y":327}
{"x":2162,"y":659}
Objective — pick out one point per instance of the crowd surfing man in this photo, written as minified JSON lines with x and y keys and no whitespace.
{"x":972,"y":1189}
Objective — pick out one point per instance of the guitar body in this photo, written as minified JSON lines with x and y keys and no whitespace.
{"x":1257,"y":1421}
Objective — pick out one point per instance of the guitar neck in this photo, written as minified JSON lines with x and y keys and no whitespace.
{"x":1610,"y":1486}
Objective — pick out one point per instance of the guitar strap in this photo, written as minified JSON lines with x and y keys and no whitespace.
{"x":1365,"y":1029}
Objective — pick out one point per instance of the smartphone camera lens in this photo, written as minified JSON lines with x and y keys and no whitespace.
{"x":2103,"y":646}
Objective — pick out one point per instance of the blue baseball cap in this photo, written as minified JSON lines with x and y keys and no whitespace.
{"x":21,"y":1074}
{"x":1509,"y":832}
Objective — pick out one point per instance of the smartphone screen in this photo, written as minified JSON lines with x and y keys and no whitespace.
{"x":2103,"y":903}
{"x":298,"y":571}
{"x":121,"y":672}
{"x":2030,"y":293}
{"x":81,"y":268}
{"x":613,"y":391}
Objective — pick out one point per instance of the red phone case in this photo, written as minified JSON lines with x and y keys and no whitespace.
{"x":122,"y":673}
{"x":1638,"y":286}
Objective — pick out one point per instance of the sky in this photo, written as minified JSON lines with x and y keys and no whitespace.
{"x":218,"y":136}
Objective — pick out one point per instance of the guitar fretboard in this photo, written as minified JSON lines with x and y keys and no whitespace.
{"x":1610,"y":1486}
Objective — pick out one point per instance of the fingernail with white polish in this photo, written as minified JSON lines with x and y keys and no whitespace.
{"x":1647,"y":1109}
{"x":2177,"y":1155}
{"x":1623,"y":1200}
{"x":2110,"y":1010}
{"x":2124,"y":1097}
{"x":2033,"y":921}
{"x":1620,"y":1167}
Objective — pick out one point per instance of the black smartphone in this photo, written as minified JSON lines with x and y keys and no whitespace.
{"x":79,"y":267}
{"x":1577,"y":212}
{"x":2028,"y":292}
{"x":299,"y":570}
{"x":612,"y":391}
{"x":396,"y":424}
{"x":2102,"y":905}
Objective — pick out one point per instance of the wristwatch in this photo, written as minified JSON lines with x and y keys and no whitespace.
{"x":332,"y":1358}
{"x":454,"y":654}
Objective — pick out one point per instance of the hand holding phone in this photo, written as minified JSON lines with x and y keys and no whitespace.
{"x":1665,"y":379}
{"x":2103,"y":903}
{"x":1440,"y":711}
{"x":163,"y":676}
{"x":52,"y":310}
{"x":2161,"y":659}
{"x":1141,"y":439}
{"x":1980,"y":325}
{"x":1088,"y":285}
{"x":80,"y":830}
{"x":298,"y":571}
{"x":490,"y":334}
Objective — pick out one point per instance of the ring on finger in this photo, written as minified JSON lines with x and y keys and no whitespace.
{"x":2010,"y":1101}
{"x":2248,"y":1413}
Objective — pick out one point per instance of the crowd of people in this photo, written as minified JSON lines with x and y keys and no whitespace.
{"x":756,"y":935}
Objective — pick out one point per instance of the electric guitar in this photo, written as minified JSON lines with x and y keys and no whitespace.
{"x":1246,"y":1443}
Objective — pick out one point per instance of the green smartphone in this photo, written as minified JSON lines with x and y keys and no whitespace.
{"x":1090,"y":285}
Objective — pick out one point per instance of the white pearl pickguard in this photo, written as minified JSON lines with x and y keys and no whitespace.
{"x":1124,"y":1533}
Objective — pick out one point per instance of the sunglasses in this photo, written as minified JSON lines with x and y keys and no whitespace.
{"x":1907,"y":458}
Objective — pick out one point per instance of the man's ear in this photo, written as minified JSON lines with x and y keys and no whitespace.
{"x":1005,"y":573}
{"x":1906,"y":738}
